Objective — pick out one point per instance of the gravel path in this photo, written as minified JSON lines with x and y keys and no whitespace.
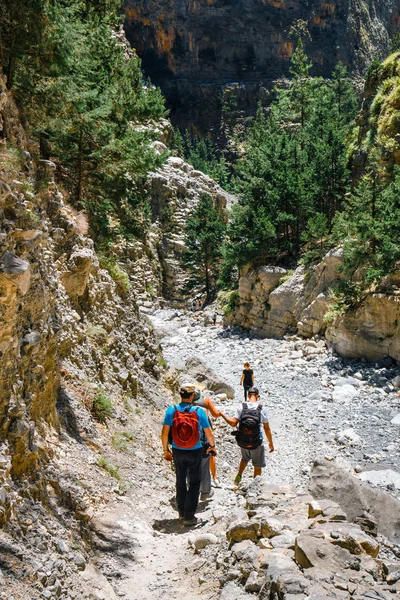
{"x":318,"y":404}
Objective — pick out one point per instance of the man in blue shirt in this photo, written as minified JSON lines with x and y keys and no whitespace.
{"x":187,"y":454}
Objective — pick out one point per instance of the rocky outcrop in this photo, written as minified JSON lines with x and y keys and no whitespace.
{"x":373,"y":509}
{"x":63,"y":319}
{"x":196,"y":50}
{"x":174,"y":191}
{"x":284,"y":544}
{"x":273,"y":301}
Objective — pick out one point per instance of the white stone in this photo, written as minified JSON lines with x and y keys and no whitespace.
{"x":396,"y":420}
{"x":384,"y":477}
{"x":344,"y":393}
{"x":349,"y":437}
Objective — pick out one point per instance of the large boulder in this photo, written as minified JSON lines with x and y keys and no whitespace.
{"x":273,"y":302}
{"x":361,"y":503}
{"x":372,"y":331}
{"x":197,"y":370}
{"x":312,"y":550}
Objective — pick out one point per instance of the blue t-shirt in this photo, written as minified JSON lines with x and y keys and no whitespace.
{"x":203,"y":421}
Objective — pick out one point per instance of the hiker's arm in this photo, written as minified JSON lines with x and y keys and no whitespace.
{"x":241,"y":379}
{"x":210,"y":438}
{"x":268,"y":433}
{"x":252,"y":379}
{"x":211,"y":407}
{"x":232,"y":421}
{"x":164,"y":440}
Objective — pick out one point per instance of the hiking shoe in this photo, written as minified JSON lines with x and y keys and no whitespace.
{"x":207,"y":496}
{"x":238,"y":479}
{"x":190,"y":522}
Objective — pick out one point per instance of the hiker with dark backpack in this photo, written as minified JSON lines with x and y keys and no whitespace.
{"x":252,"y":419}
{"x":186,"y":423}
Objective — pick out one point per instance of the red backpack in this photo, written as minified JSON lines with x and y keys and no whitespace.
{"x":185,"y":428}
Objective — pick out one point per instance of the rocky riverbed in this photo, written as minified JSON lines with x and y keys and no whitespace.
{"x":319,"y":404}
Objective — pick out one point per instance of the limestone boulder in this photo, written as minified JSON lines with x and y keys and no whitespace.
{"x":15,"y":272}
{"x":79,"y":267}
{"x":282,"y":577}
{"x":312,"y":550}
{"x":243,"y":530}
{"x":349,"y":536}
{"x":360,"y":502}
{"x":96,"y":585}
{"x":312,"y":318}
{"x":195,"y":369}
{"x":372,"y":331}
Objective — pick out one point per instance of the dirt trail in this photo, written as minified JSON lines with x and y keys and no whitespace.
{"x":143,"y":549}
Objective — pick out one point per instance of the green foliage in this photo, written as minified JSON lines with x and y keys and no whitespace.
{"x":111,"y":469}
{"x":86,"y":103}
{"x":204,"y":234}
{"x":315,"y":235}
{"x":162,"y":362}
{"x":203,"y":154}
{"x":116,"y":273}
{"x":122,"y":440}
{"x":369,"y":226}
{"x":286,"y":276}
{"x":102,"y":408}
{"x":232,"y":300}
{"x":294,"y":167}
{"x":395,"y":43}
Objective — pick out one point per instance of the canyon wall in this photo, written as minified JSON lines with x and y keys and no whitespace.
{"x":274,"y":302}
{"x":198,"y":52}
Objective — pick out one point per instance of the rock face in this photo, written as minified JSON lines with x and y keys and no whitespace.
{"x":195,"y":50}
{"x":361,"y":503}
{"x":372,"y":331}
{"x":273,"y":302}
{"x":60,"y":313}
{"x":174,"y":192}
{"x":290,"y":546}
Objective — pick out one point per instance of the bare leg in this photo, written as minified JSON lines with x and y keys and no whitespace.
{"x":257,"y":471}
{"x":242,"y":467}
{"x":213,"y":467}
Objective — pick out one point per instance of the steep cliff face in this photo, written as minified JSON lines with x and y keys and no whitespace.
{"x":64,"y":320}
{"x":194,"y":50}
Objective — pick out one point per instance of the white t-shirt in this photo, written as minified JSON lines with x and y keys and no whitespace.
{"x":253,"y":406}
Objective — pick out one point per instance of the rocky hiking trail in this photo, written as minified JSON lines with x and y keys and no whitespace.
{"x":319,"y":405}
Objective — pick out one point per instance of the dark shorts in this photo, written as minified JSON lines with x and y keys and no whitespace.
{"x":256,"y":456}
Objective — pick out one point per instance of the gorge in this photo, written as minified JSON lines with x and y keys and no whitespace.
{"x":95,"y":332}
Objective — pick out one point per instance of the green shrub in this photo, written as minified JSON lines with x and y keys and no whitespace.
{"x":162,"y":362}
{"x":286,"y":276}
{"x":122,"y":440}
{"x":232,"y":302}
{"x":105,"y":464}
{"x":116,"y":273}
{"x":102,"y":407}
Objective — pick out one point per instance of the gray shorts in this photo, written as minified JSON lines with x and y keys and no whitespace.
{"x":257,"y":456}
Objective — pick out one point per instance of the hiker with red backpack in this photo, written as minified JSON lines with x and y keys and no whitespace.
{"x":252,"y":419}
{"x":186,"y":423}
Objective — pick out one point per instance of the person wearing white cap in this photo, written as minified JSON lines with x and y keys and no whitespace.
{"x":186,"y":423}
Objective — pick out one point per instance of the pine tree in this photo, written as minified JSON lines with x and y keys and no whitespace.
{"x":204,"y":234}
